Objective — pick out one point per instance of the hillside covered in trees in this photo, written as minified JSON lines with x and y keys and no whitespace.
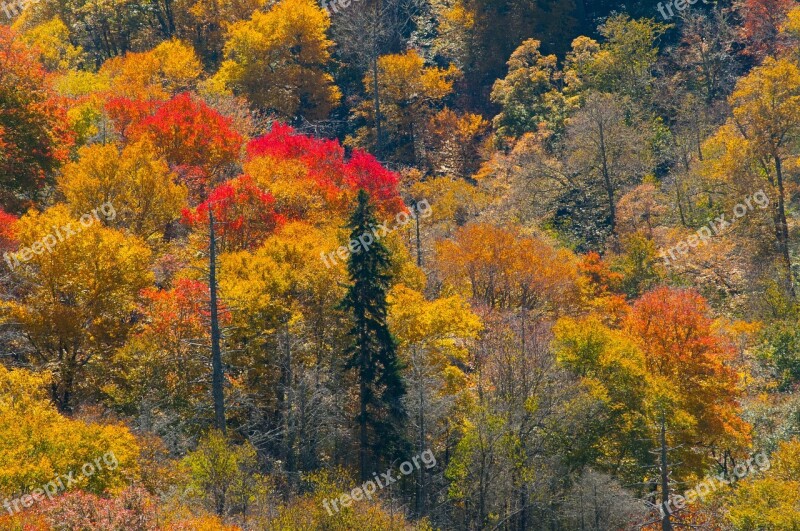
{"x":399,"y":265}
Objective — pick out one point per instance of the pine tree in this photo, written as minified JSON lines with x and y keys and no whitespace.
{"x":373,"y":351}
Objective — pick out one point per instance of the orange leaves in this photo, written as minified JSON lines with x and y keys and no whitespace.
{"x":34,"y":136}
{"x":167,"y":69}
{"x":503,"y":269}
{"x":675,"y":327}
{"x":180,"y":312}
{"x":691,"y":359}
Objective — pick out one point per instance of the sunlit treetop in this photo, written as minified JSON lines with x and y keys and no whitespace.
{"x":277,"y":60}
{"x":185,"y":131}
{"x":166,"y":70}
{"x":244,"y":214}
{"x":324,"y":165}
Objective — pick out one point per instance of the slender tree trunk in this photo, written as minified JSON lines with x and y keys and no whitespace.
{"x":782,"y":227}
{"x":666,"y":519}
{"x":419,"y":241}
{"x":420,"y":491}
{"x":679,"y":200}
{"x":216,"y":352}
{"x":363,"y":439}
{"x":612,"y":208}
{"x":288,"y":377}
{"x":375,"y":93}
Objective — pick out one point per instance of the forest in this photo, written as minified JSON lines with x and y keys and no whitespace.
{"x":512,"y":265}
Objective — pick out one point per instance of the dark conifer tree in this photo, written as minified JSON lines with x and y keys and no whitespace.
{"x":373,"y":349}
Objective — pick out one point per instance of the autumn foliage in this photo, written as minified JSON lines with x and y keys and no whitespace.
{"x":264,"y":250}
{"x":34,"y":137}
{"x":245,"y":215}
{"x":186,"y":131}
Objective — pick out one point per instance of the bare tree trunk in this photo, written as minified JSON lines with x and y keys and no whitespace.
{"x":666,"y":521}
{"x":782,"y":228}
{"x":419,"y":241}
{"x":216,"y":352}
{"x":363,"y":439}
{"x":608,"y":184}
{"x":376,"y":95}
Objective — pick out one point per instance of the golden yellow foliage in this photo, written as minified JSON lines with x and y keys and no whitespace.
{"x":169,"y":68}
{"x":277,"y":60}
{"x":37,"y":443}
{"x":135,"y":180}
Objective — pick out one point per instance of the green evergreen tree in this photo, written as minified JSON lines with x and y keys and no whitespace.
{"x":373,"y":351}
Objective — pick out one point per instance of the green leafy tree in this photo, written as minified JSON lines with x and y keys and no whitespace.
{"x":223,"y":474}
{"x":525,"y":91}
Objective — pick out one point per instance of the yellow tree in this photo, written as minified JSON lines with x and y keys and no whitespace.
{"x":277,"y":60}
{"x":770,"y":500}
{"x":408,"y":92}
{"x":51,"y":41}
{"x":169,"y":68}
{"x":453,"y":142}
{"x":134,"y":180}
{"x":37,"y":444}
{"x":612,"y":368}
{"x":433,"y":343}
{"x":761,"y":140}
{"x":287,"y":327}
{"x":82,"y":281}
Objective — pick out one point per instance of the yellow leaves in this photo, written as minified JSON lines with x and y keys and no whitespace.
{"x":408,"y":92}
{"x":277,"y":58}
{"x":280,"y":274}
{"x":169,"y":68}
{"x":766,"y":103}
{"x":453,"y":142}
{"x":441,"y":328}
{"x":504,"y":269}
{"x":792,"y":24}
{"x":772,"y":499}
{"x":404,"y":79}
{"x":51,"y":41}
{"x":592,"y":349}
{"x":456,"y":200}
{"x":82,"y":290}
{"x":178,"y":65}
{"x":457,"y":16}
{"x":37,"y":443}
{"x":135,"y":181}
{"x":295,"y":194}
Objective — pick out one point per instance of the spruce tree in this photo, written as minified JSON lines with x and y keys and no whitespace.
{"x":373,"y":351}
